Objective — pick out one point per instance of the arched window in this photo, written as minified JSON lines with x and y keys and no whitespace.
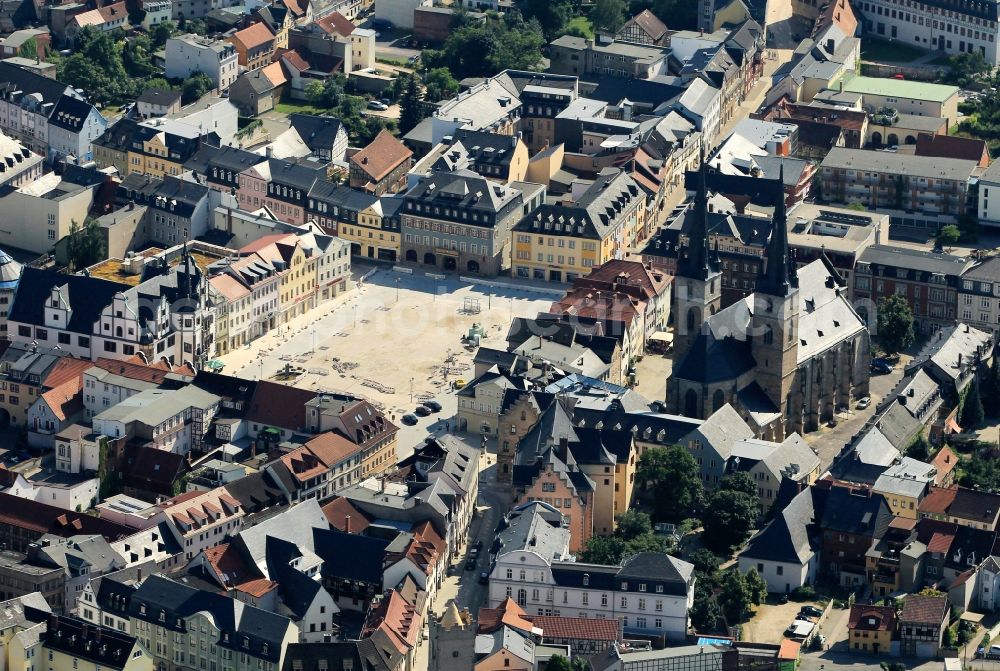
{"x":693,"y":320}
{"x":691,"y":403}
{"x":718,"y":400}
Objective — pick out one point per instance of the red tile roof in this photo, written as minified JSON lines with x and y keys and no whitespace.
{"x":279,"y":405}
{"x":65,"y":400}
{"x":945,"y":462}
{"x":382,"y":156}
{"x":331,"y":448}
{"x":872,"y":618}
{"x":924,"y":609}
{"x":336,"y":23}
{"x":508,"y":613}
{"x":580,"y":628}
{"x":154,"y":373}
{"x":937,"y":501}
{"x":67,"y":368}
{"x":229,"y":567}
{"x":951,"y":146}
{"x":253,"y":36}
{"x":339,"y":509}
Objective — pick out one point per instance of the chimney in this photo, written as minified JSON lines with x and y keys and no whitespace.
{"x":347,"y":523}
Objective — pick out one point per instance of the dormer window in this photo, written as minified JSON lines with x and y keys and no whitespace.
{"x":586,"y":579}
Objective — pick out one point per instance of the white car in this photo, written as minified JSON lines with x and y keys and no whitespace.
{"x":864,"y":402}
{"x":376,"y":105}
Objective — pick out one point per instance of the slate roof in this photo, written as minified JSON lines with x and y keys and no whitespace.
{"x":792,"y":536}
{"x":235,"y":620}
{"x":596,"y":214}
{"x":350,"y":556}
{"x":70,"y":113}
{"x":318,"y":132}
{"x":87,"y":295}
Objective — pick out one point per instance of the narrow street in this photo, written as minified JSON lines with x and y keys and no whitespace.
{"x":464,"y":585}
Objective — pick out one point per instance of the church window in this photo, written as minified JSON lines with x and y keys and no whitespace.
{"x":768,"y":336}
{"x":692,"y":320}
{"x":718,"y":400}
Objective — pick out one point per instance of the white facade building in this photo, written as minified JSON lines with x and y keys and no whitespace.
{"x":188,"y":54}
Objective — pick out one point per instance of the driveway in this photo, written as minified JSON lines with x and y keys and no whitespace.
{"x":829,"y":441}
{"x":769,"y":623}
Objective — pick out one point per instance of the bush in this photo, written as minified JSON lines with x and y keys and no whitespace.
{"x":804,"y":593}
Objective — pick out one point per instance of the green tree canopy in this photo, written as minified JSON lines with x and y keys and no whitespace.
{"x":739,"y":482}
{"x":608,"y":15}
{"x":410,"y":106}
{"x":558,"y":663}
{"x":137,"y":57}
{"x":895,"y":323}
{"x":196,"y":86}
{"x":706,"y":615}
{"x":481,"y":49}
{"x":85,"y":245}
{"x":440,"y":84}
{"x":672,"y":478}
{"x":735,"y":597}
{"x":634,"y":534}
{"x":552,"y":15}
{"x":729,"y":519}
{"x":972,"y":408}
{"x":948,"y":235}
{"x":162,"y":32}
{"x":97,"y":67}
{"x":633,"y":523}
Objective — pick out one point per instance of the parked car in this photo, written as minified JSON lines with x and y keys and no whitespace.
{"x":409,"y":420}
{"x":470,"y":563}
{"x":377,"y":105}
{"x":422,"y":411}
{"x":459,"y":383}
{"x":864,"y":402}
{"x":434,"y":406}
{"x":881,"y":367}
{"x":484,"y":578}
{"x":810,"y":611}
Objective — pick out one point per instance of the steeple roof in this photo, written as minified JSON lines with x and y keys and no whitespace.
{"x":779,"y":276}
{"x":696,"y":261}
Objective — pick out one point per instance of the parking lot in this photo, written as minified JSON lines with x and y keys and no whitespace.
{"x":395,"y":340}
{"x":769,"y":623}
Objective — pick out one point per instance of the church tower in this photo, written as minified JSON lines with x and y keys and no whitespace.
{"x":698,"y":282}
{"x":774,"y":328}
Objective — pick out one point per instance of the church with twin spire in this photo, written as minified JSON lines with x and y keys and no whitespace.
{"x":786,"y":357}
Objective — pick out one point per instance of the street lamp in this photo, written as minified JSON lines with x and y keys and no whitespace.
{"x":397,"y":289}
{"x":411,"y":390}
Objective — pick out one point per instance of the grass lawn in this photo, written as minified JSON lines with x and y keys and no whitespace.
{"x":883,"y":51}
{"x":398,"y":62}
{"x":301,"y":106}
{"x":582,"y":23}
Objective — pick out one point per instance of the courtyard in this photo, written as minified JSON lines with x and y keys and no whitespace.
{"x":394,"y":338}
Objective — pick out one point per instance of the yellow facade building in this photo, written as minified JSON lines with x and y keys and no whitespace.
{"x":566,"y":241}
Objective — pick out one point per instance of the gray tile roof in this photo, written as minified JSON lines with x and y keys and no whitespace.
{"x":899,"y":164}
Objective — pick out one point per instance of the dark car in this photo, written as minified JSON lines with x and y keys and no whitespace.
{"x":810,"y":611}
{"x":409,"y":420}
{"x":880,"y":367}
{"x":433,"y":406}
{"x":422,"y":410}
{"x":484,"y":578}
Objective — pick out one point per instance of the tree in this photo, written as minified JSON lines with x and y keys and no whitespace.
{"x":604,"y":550}
{"x":895,"y":323}
{"x":706,"y":616}
{"x":552,"y":15}
{"x":729,"y":519}
{"x":972,"y":408}
{"x":410,"y":106}
{"x":558,"y":663}
{"x":608,"y":15}
{"x":672,"y":477}
{"x":919,"y":449}
{"x":29,"y":49}
{"x":735,"y":597}
{"x":156,"y":83}
{"x":162,"y":32}
{"x":196,"y":86}
{"x":136,"y":16}
{"x":706,"y":563}
{"x":963,"y":68}
{"x":85,"y":245}
{"x":483,"y":49}
{"x":990,"y":392}
{"x":757,"y":586}
{"x":948,"y":235}
{"x":197,"y":26}
{"x":681,"y":14}
{"x":440,"y":84}
{"x":97,"y":67}
{"x":137,"y":57}
{"x":739,"y":482}
{"x":633,"y":523}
